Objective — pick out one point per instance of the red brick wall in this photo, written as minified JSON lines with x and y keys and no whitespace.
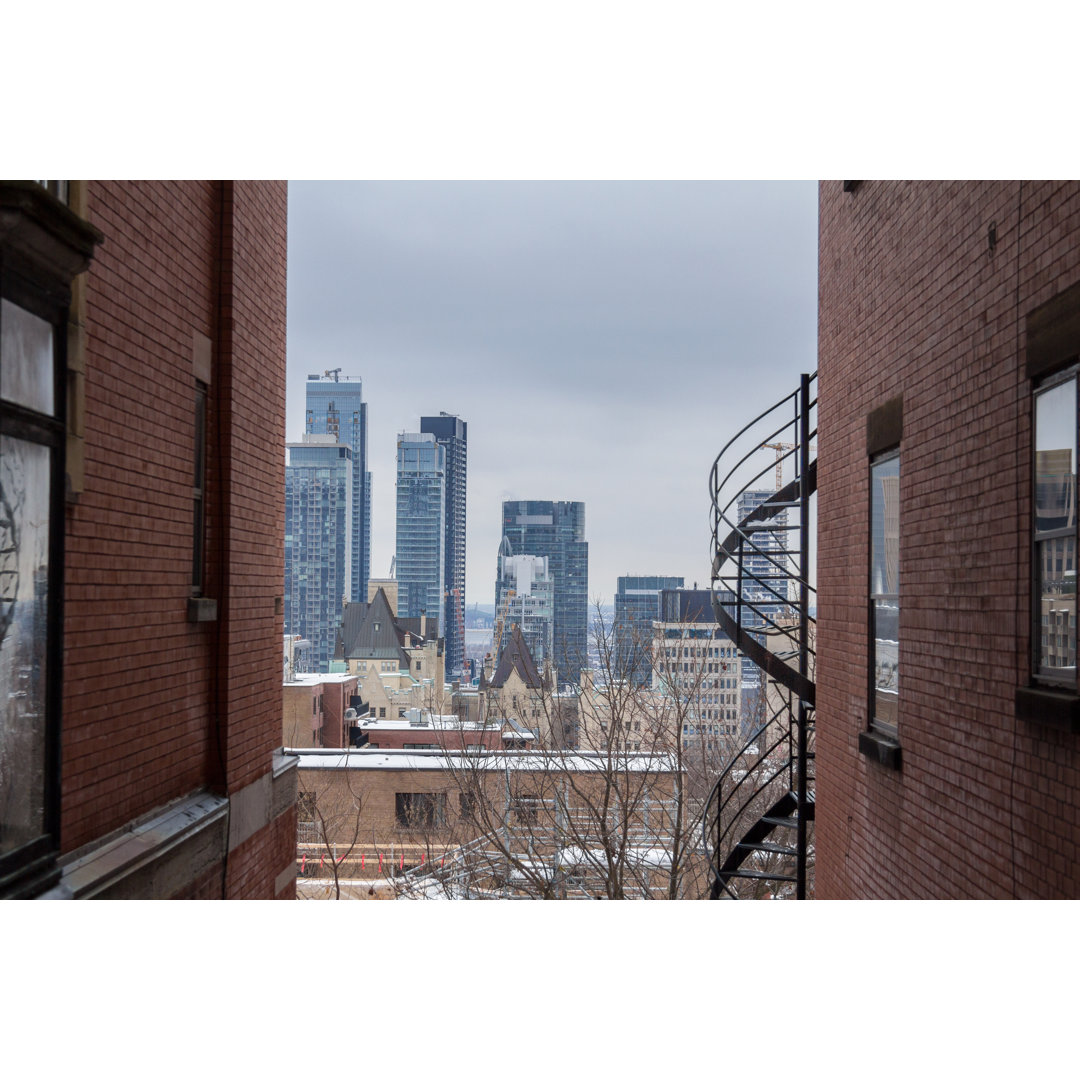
{"x":255,"y":864}
{"x":143,"y":687}
{"x":136,"y":674}
{"x":914,"y":302}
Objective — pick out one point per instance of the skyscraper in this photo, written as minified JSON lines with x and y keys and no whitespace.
{"x":770,"y":568}
{"x":766,"y":588}
{"x":452,"y":433}
{"x":335,"y":407}
{"x":637,"y":607}
{"x":421,"y":531}
{"x":556,"y":530}
{"x":532,"y":607}
{"x":318,"y":512}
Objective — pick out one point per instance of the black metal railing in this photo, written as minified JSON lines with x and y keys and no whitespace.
{"x":764,"y":599}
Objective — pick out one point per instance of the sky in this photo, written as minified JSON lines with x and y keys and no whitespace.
{"x":602,"y":340}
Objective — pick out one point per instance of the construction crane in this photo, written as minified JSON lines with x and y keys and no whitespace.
{"x":780,"y":447}
{"x":333,"y":371}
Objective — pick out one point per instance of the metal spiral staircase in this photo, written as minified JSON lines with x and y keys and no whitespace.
{"x":758,"y":818}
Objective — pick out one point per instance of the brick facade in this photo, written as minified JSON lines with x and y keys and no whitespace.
{"x":156,"y":706}
{"x":925,"y":290}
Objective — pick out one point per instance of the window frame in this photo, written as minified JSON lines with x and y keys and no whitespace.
{"x":29,"y":868}
{"x":1049,"y":679}
{"x":44,"y":246}
{"x":890,"y":729}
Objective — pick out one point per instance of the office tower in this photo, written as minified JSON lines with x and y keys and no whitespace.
{"x":318,"y":516}
{"x":557,"y":531}
{"x":768,"y":571}
{"x":421,"y":517}
{"x":335,"y":407}
{"x":637,"y":607}
{"x":532,"y":606}
{"x":765,"y":587}
{"x":452,"y":434}
{"x":699,"y":663}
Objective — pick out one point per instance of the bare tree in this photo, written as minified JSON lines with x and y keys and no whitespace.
{"x":613,"y":811}
{"x":328,"y":823}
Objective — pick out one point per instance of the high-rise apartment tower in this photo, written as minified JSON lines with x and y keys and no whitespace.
{"x":335,"y":406}
{"x":452,"y":434}
{"x":318,"y":512}
{"x":421,"y":531}
{"x":556,"y":530}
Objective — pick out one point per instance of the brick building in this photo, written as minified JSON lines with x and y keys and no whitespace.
{"x":948,"y":710}
{"x":143,"y":333}
{"x":316,"y":710}
{"x":376,"y":813}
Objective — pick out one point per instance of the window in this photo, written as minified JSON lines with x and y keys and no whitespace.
{"x":199,"y":491}
{"x":1054,"y":531}
{"x":36,"y":268}
{"x":885,"y":591}
{"x":420,"y":810}
{"x":525,"y":809}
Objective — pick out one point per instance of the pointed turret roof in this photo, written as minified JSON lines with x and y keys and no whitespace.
{"x":371,"y":631}
{"x":516,"y":657}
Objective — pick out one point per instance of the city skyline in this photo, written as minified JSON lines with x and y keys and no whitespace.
{"x":583,"y":329}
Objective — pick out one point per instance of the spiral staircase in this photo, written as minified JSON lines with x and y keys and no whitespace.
{"x":758,"y":819}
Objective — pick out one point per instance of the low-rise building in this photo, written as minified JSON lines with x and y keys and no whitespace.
{"x":319,"y":710}
{"x":518,"y":824}
{"x":421,"y":729}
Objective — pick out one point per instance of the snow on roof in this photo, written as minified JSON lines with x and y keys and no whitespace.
{"x":515,"y":760}
{"x":430,"y":723}
{"x":308,"y":678}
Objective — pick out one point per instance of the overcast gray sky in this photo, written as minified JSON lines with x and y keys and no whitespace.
{"x":602,"y":340}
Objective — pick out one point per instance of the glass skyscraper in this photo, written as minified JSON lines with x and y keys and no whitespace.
{"x":318,"y":512}
{"x":769,"y":570}
{"x":637,"y":606}
{"x":556,"y":530}
{"x":335,"y":407}
{"x":532,"y":607}
{"x":421,"y":526}
{"x":452,"y":434}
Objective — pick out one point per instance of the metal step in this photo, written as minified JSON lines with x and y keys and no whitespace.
{"x":781,"y":822}
{"x":774,"y":849}
{"x":759,"y":875}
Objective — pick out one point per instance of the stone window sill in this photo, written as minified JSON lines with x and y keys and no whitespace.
{"x":1052,"y":708}
{"x":880,"y":748}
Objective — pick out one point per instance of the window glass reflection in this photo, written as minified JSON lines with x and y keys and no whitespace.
{"x":885,"y":588}
{"x":26,"y":358}
{"x":24,"y":593}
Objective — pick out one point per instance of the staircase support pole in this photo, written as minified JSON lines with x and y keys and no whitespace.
{"x":804,"y":561}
